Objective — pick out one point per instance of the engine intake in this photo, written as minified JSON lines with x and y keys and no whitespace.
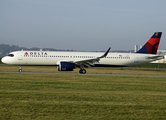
{"x":66,"y":66}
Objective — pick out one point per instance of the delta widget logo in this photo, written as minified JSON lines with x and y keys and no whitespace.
{"x":26,"y":53}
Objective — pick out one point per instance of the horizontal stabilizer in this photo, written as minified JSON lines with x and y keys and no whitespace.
{"x":155,"y":57}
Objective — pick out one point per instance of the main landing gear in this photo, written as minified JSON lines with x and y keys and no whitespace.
{"x":20,"y":70}
{"x":82,"y":71}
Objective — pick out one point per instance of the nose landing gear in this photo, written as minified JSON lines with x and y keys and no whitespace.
{"x":20,"y":70}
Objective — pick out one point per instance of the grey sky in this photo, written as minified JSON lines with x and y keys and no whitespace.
{"x":81,"y":24}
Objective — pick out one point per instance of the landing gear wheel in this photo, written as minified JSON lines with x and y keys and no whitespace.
{"x":82,"y":71}
{"x":20,"y":70}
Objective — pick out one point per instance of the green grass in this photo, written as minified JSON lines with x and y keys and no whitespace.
{"x":152,"y":65}
{"x":102,"y":70}
{"x":51,"y":96}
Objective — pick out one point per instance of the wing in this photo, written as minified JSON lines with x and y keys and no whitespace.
{"x":90,"y":62}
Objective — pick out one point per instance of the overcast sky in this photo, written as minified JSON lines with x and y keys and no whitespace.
{"x":90,"y":25}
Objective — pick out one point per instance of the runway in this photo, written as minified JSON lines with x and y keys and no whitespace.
{"x":84,"y":74}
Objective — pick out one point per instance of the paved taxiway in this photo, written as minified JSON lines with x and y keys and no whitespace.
{"x":86,"y":74}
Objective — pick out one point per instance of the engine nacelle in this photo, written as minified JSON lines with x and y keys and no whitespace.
{"x":66,"y":66}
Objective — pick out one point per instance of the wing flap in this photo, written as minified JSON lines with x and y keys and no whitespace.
{"x":86,"y":62}
{"x":90,"y":62}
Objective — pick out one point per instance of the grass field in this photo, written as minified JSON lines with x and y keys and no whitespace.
{"x":82,"y":97}
{"x":53,"y":96}
{"x":53,"y":69}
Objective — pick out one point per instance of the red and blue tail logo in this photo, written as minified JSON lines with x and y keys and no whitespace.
{"x":152,"y":44}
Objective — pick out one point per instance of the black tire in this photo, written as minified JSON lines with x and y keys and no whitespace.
{"x":80,"y":71}
{"x":20,"y":70}
{"x":83,"y":71}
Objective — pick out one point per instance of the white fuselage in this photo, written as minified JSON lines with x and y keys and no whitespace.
{"x":52,"y":58}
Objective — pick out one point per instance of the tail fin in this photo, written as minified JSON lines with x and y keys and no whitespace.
{"x":151,"y":45}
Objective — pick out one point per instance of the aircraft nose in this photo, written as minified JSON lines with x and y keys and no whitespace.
{"x":4,"y":60}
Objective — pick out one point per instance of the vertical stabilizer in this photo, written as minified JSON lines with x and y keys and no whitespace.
{"x":152,"y":44}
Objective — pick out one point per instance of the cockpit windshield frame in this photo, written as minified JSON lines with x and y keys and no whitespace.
{"x":11,"y":55}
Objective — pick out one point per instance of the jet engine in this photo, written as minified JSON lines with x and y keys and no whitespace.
{"x":66,"y":66}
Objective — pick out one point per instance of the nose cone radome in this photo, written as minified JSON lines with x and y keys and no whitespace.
{"x":2,"y":60}
{"x":5,"y":60}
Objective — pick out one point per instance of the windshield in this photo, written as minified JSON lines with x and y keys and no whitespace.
{"x":11,"y":55}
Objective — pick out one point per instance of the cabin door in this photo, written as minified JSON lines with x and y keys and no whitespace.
{"x":20,"y":56}
{"x":136,"y":59}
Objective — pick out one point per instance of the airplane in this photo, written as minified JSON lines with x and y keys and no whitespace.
{"x":67,"y":61}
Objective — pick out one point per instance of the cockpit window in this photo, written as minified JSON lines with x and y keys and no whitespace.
{"x":11,"y":55}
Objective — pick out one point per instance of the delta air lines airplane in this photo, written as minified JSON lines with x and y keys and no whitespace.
{"x":67,"y":61}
